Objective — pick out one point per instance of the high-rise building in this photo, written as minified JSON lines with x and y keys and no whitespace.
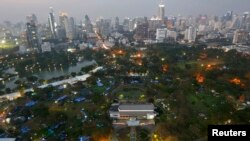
{"x":132,"y":25}
{"x":32,"y":19}
{"x":68,"y":24}
{"x":161,"y":34}
{"x":154,"y":24}
{"x":171,"y":36}
{"x":63,"y":19}
{"x":126,"y":24}
{"x":115,"y":24}
{"x":64,"y":23}
{"x":245,"y":23}
{"x":31,"y":34}
{"x":141,"y":29}
{"x":241,"y":37}
{"x":103,"y":26}
{"x":52,"y":24}
{"x":71,"y":31}
{"x":228,"y":16}
{"x":235,"y":22}
{"x":190,"y":34}
{"x":60,"y":33}
{"x":181,"y":23}
{"x":165,"y":35}
{"x":161,"y":15}
{"x":88,"y":25}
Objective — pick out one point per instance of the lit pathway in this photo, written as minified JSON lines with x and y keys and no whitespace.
{"x":132,"y":133}
{"x":74,"y":80}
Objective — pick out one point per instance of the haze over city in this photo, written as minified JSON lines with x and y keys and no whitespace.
{"x":18,"y":9}
{"x":124,"y":70}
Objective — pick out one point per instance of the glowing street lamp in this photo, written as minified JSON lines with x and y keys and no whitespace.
{"x":3,"y":41}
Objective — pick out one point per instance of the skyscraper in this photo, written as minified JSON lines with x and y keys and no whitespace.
{"x":67,"y":24}
{"x":63,"y":22}
{"x":31,"y":33}
{"x":245,"y":22}
{"x":161,"y":34}
{"x":240,"y":37}
{"x":126,"y":24}
{"x":52,"y":24}
{"x":104,"y":26}
{"x":60,"y":33}
{"x":31,"y":19}
{"x":161,"y":15}
{"x":63,"y":19}
{"x":115,"y":24}
{"x":190,"y":34}
{"x":228,"y":16}
{"x":88,"y":25}
{"x":71,"y":31}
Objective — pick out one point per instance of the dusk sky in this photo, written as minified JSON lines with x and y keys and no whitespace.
{"x":16,"y":10}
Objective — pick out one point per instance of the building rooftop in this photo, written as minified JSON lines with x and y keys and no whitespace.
{"x":7,"y":139}
{"x":136,"y":107}
{"x":136,"y":113}
{"x":114,"y":108}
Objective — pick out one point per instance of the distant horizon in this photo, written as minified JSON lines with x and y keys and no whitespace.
{"x":18,"y":10}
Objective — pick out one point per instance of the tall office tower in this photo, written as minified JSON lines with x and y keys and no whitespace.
{"x":126,"y":24}
{"x":161,"y":15}
{"x":132,"y":25}
{"x":71,"y":29}
{"x":103,"y":26}
{"x":240,"y":37}
{"x":203,"y":20}
{"x":60,"y":33}
{"x":115,"y":24}
{"x":245,"y":23}
{"x":190,"y":34}
{"x":63,"y":22}
{"x":153,"y":24}
{"x":171,"y":22}
{"x":31,"y":34}
{"x":141,"y":29}
{"x":228,"y":16}
{"x":171,"y":35}
{"x":88,"y":25}
{"x":235,"y":22}
{"x":165,"y":35}
{"x":63,"y":19}
{"x":32,"y":19}
{"x":161,"y":34}
{"x":52,"y":24}
{"x":181,"y":23}
{"x":68,"y":25}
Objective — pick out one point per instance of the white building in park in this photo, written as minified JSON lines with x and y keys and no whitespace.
{"x":132,"y":114}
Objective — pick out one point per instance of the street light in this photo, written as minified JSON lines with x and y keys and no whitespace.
{"x":3,"y":41}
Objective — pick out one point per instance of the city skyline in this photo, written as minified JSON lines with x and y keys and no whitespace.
{"x":77,"y":9}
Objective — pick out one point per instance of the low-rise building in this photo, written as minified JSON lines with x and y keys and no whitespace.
{"x":135,"y":111}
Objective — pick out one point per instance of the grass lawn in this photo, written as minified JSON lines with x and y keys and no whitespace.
{"x":131,"y":94}
{"x":197,"y":64}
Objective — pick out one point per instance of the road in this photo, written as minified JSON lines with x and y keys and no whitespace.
{"x":132,"y":133}
{"x":15,"y":95}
